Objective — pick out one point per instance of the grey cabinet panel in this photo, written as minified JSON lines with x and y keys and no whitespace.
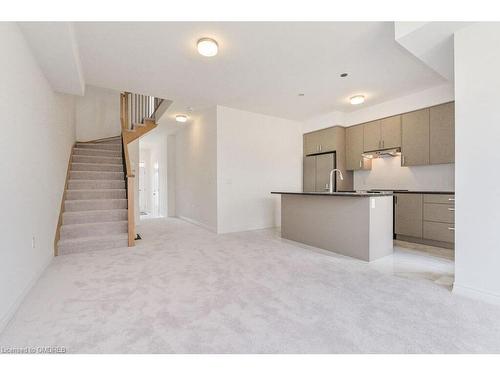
{"x":311,"y":143}
{"x":439,"y":198}
{"x":309,"y":173}
{"x":324,"y":164}
{"x":354,"y":149}
{"x":443,"y":232}
{"x":409,"y":216}
{"x":443,"y":213}
{"x":442,"y":134}
{"x":390,"y":131}
{"x":415,"y":138}
{"x":371,"y":136}
{"x":328,"y":139}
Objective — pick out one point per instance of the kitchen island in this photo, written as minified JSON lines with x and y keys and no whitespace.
{"x":356,"y":224}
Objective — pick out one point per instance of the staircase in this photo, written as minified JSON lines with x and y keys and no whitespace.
{"x":97,"y":211}
{"x":95,"y":206}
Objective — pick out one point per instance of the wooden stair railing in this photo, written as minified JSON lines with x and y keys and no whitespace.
{"x":137,"y":116}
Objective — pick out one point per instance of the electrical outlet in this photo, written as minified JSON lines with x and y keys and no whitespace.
{"x":33,"y":242}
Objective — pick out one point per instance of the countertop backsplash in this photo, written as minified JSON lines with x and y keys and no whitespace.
{"x":387,"y":173}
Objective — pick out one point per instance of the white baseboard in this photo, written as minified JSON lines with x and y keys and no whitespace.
{"x":476,"y":294}
{"x":195,"y":222}
{"x":11,"y":311}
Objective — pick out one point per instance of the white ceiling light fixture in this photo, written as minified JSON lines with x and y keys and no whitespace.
{"x":207,"y":47}
{"x":181,"y":118}
{"x":357,"y":99}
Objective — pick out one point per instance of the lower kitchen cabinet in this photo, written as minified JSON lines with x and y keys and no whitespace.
{"x":425,"y":218}
{"x":409,"y":215}
{"x":442,"y":232}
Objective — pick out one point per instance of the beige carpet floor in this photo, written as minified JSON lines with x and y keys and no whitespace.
{"x":185,"y":290}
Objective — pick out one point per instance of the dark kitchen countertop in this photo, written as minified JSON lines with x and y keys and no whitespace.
{"x":337,"y":193}
{"x":422,"y":192}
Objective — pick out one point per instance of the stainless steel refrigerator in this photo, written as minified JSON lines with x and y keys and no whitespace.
{"x":316,"y":172}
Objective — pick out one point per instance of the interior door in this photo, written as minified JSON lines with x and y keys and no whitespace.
{"x":142,"y":191}
{"x":156,"y":190}
{"x":309,"y":173}
{"x":324,"y":164}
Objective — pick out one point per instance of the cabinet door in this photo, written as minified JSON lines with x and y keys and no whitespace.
{"x":324,"y":164}
{"x":371,"y":136}
{"x":390,"y":130}
{"x":442,"y":134}
{"x":354,"y":148}
{"x":310,"y":144}
{"x":309,"y":174}
{"x":415,"y":138}
{"x":409,"y":219}
{"x":327,"y":139}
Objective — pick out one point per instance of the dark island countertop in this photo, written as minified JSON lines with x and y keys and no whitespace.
{"x":337,"y":193}
{"x":423,"y":192}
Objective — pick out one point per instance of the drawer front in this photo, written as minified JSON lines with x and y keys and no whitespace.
{"x":439,"y":198}
{"x":443,"y":213}
{"x":439,"y":232}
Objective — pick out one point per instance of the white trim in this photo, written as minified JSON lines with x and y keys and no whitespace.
{"x":482,"y":295}
{"x":11,"y":311}
{"x":195,"y":222}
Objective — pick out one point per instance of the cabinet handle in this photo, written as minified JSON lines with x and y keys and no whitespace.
{"x":451,"y":199}
{"x":450,"y":228}
{"x":360,"y":163}
{"x":451,"y":209}
{"x":383,"y":144}
{"x":403,"y":160}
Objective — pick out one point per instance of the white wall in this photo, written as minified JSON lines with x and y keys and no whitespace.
{"x":256,"y":154}
{"x":97,"y":114}
{"x":37,"y":134}
{"x":477,"y":136}
{"x":196,"y":169}
{"x":387,"y":173}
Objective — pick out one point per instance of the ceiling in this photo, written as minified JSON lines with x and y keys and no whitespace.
{"x":261,"y":66}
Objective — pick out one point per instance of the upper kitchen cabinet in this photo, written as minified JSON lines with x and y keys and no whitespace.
{"x":371,"y":136}
{"x":442,"y":134}
{"x":320,"y":141}
{"x":415,"y":133}
{"x":354,"y":149}
{"x":382,"y":134}
{"x":390,"y":132}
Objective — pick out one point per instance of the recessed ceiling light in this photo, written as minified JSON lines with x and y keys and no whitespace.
{"x":181,"y":118}
{"x":344,"y":75}
{"x":358,"y":99}
{"x":207,"y":47}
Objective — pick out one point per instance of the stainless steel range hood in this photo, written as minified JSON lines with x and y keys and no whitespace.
{"x":388,"y":153}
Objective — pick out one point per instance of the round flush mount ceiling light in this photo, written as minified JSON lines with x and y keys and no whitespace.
{"x":358,"y":99}
{"x":207,"y":47}
{"x":181,"y":118}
